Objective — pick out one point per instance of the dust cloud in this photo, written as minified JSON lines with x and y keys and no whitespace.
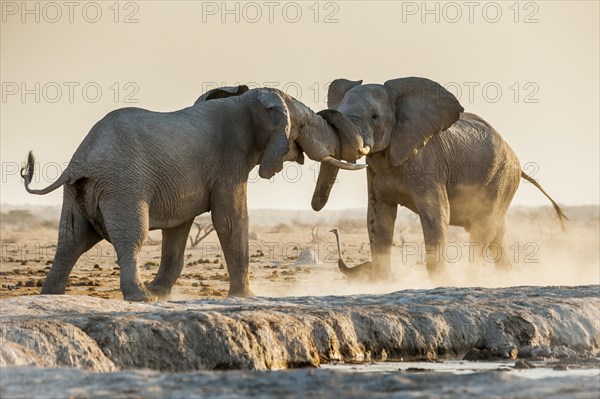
{"x":541,"y":254}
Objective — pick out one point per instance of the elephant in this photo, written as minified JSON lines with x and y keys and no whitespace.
{"x":448,"y":166}
{"x":138,"y":170}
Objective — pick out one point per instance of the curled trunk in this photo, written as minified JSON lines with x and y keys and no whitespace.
{"x":322,"y":142}
{"x":352,"y":145}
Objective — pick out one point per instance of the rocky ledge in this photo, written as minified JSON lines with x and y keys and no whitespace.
{"x":96,"y":334}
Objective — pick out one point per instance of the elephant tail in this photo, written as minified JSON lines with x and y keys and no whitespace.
{"x":561,"y":216}
{"x":27,"y":175}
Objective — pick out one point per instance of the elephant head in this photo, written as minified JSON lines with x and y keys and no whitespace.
{"x":398,"y":117}
{"x":291,"y":129}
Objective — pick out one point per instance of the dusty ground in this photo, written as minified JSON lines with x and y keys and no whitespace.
{"x":541,"y":254}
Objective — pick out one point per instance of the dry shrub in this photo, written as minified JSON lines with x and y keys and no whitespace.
{"x":18,"y":217}
{"x":50,"y":224}
{"x":351,"y":225}
{"x":281,"y":228}
{"x":8,"y":238}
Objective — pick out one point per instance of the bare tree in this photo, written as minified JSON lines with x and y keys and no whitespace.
{"x":207,"y":228}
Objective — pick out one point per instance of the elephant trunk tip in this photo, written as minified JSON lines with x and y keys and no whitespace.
{"x":317,"y":203}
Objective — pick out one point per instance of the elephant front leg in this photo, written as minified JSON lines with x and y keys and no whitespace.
{"x":230,"y":220}
{"x":381,"y":218}
{"x":434,"y":212}
{"x":171,"y":260}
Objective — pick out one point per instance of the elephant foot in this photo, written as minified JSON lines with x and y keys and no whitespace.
{"x":162,"y":293}
{"x":383,"y":277}
{"x":54,"y":283}
{"x":52,"y":289}
{"x":439,"y":277}
{"x":505,"y":275}
{"x":138,"y":294}
{"x":241,"y":293}
{"x":473,"y":277}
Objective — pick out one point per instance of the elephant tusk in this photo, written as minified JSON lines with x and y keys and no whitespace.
{"x":365,"y":150}
{"x":343,"y":165}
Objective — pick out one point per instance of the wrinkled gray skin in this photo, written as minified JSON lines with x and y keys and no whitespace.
{"x":138,"y":170}
{"x":450,"y":167}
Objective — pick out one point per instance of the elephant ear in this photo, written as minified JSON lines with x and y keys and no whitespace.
{"x":273,"y":119}
{"x":338,"y":89}
{"x":423,"y":109}
{"x":222,"y":92}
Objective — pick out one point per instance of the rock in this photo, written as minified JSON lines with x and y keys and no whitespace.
{"x":308,"y":256}
{"x":12,"y":354}
{"x":523,"y":364}
{"x":51,"y":344}
{"x":276,"y":333}
{"x":417,"y":370}
{"x":30,"y":283}
{"x":254,"y":236}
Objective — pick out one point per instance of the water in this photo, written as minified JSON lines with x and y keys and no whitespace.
{"x":459,"y":367}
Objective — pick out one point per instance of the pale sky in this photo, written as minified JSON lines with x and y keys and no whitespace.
{"x":531,"y":69}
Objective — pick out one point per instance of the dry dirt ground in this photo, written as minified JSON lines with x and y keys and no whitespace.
{"x":541,"y":254}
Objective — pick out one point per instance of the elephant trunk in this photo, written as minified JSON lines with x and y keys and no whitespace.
{"x":320,"y":141}
{"x":327,"y":176}
{"x":352,"y":145}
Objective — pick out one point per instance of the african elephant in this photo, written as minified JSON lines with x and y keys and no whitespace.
{"x":448,"y":166}
{"x":138,"y":170}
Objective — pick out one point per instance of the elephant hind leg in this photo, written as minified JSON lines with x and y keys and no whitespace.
{"x":127,"y":226}
{"x":489,"y":243}
{"x":75,"y":236}
{"x":171,"y":260}
{"x":502,"y":257}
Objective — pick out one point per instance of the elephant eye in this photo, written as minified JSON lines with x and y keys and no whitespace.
{"x":374,"y":117}
{"x":301,"y":126}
